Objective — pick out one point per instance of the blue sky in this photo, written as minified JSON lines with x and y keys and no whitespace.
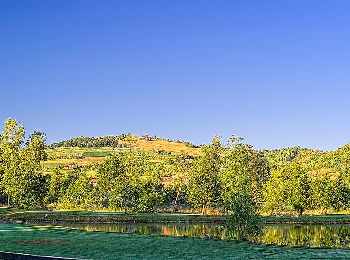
{"x":275,"y":72}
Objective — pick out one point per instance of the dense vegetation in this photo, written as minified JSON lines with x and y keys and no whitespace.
{"x":233,"y":179}
{"x":110,"y":141}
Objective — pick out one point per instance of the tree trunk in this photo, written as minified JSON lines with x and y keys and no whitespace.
{"x":175,"y":202}
{"x":300,"y":213}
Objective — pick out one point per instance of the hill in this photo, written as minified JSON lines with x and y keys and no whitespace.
{"x":87,"y":151}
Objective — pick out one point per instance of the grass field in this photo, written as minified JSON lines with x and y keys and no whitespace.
{"x":76,"y":152}
{"x":162,"y":145}
{"x":64,"y":242}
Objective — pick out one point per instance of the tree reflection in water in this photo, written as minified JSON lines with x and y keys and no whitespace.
{"x":334,"y":236}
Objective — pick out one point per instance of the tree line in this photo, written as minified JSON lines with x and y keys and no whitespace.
{"x":87,"y":142}
{"x":110,"y":141}
{"x":232,"y":178}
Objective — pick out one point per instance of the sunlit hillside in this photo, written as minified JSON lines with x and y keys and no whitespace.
{"x":162,"y":146}
{"x":69,"y":154}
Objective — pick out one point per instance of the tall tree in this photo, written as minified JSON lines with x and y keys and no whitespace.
{"x":204,"y":184}
{"x":298,"y":189}
{"x":36,"y":145}
{"x":12,"y":138}
{"x":21,"y":180}
{"x":274,"y":195}
{"x":178,"y":169}
{"x":245,"y":171}
{"x":110,"y":181}
{"x":291,"y":185}
{"x":130,"y":181}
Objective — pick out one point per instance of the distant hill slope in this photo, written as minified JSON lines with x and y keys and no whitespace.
{"x":174,"y":147}
{"x":87,"y":151}
{"x":116,"y":142}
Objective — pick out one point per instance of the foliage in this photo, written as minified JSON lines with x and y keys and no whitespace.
{"x":129,"y":181}
{"x":274,"y":194}
{"x":154,"y":173}
{"x":178,"y":171}
{"x":84,"y":142}
{"x":243,"y":220}
{"x":79,"y":192}
{"x":21,"y":180}
{"x":204,"y":184}
{"x":292,"y":185}
{"x":245,"y":172}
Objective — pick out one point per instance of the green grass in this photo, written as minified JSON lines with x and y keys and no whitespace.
{"x":97,"y":154}
{"x":63,"y":242}
{"x":77,"y":152}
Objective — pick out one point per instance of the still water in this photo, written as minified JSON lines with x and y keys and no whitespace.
{"x":331,"y":236}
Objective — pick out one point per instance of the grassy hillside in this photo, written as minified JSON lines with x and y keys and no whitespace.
{"x":162,"y":146}
{"x":68,"y":154}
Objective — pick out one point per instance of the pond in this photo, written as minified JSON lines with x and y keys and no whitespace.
{"x":319,"y":236}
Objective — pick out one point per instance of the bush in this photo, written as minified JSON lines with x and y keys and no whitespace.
{"x":243,"y":220}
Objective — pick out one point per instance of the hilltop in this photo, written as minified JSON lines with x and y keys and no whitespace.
{"x":85,"y":151}
{"x":145,"y":142}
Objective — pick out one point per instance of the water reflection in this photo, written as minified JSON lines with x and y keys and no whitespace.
{"x":215,"y":231}
{"x":335,"y":236}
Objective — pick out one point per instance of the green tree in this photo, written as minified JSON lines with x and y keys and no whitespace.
{"x":12,"y":138}
{"x":242,"y":219}
{"x":177,"y":170}
{"x":339,"y":193}
{"x":130,"y":181}
{"x":79,"y":193}
{"x":298,"y":189}
{"x":56,"y":187}
{"x":21,"y":180}
{"x":288,"y":189}
{"x":36,"y":145}
{"x":110,"y":183}
{"x":142,"y":188}
{"x":320,"y":190}
{"x":274,"y":195}
{"x":204,"y":184}
{"x":245,"y":171}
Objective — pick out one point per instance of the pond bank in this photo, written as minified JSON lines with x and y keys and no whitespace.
{"x":104,"y":217}
{"x":15,"y":216}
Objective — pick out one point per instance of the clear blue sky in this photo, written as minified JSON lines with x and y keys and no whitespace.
{"x":275,"y":72}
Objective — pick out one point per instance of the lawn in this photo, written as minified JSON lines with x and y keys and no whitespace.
{"x":64,"y":242}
